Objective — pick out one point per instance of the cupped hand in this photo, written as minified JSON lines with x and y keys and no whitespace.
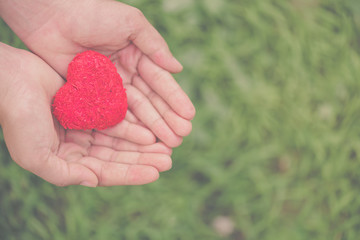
{"x":69,"y":157}
{"x":58,"y":30}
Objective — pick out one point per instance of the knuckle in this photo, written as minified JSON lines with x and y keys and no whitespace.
{"x":136,"y":21}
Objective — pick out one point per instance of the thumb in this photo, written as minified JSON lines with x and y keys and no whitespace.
{"x":151,"y":43}
{"x":62,"y":173}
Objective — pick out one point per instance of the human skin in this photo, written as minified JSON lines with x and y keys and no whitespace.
{"x":57,"y":30}
{"x":63,"y":157}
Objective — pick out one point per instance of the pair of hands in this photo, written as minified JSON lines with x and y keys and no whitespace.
{"x":159,"y":114}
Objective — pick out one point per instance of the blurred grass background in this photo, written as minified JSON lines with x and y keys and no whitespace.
{"x":274,"y":152}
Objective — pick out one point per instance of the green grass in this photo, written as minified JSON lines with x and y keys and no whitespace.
{"x":275,"y":144}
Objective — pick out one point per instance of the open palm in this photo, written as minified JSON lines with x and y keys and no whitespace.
{"x":122,"y":155}
{"x":139,"y":52}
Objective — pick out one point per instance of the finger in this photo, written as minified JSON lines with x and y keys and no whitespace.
{"x":166,"y":87}
{"x":145,"y":111}
{"x":32,"y":145}
{"x":162,"y":162}
{"x":178,"y":124}
{"x":55,"y":169}
{"x":150,"y":42}
{"x":131,"y":132}
{"x":113,"y":174}
{"x":61,"y":173}
{"x":131,"y":117}
{"x":123,"y":145}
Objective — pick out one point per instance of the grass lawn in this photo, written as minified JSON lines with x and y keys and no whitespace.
{"x":274,"y":152}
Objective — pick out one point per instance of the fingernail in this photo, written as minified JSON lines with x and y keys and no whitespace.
{"x":87,"y":184}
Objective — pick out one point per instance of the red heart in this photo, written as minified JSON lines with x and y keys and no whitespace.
{"x":93,"y":96}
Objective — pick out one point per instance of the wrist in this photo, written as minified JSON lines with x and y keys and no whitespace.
{"x":8,"y":71}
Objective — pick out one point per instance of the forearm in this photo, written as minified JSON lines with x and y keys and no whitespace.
{"x":27,"y":16}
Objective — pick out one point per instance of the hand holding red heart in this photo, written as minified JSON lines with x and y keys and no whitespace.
{"x":57,"y":31}
{"x":66,"y":157}
{"x":158,"y":108}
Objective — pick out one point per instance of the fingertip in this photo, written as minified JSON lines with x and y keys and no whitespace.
{"x":191,"y":112}
{"x":181,"y":104}
{"x":165,"y":149}
{"x":169,"y":137}
{"x":174,"y":142}
{"x":166,"y":60}
{"x":188,"y":110}
{"x":177,"y":66}
{"x":166,"y":164}
{"x":147,"y":138}
{"x":179,"y":125}
{"x":139,"y":175}
{"x":186,"y":130}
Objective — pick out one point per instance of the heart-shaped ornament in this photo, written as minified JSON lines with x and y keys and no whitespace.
{"x":93,"y":96}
